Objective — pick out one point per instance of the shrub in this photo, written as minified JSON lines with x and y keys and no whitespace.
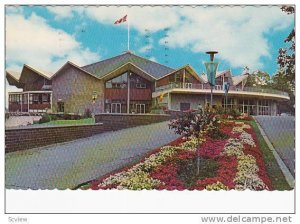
{"x":156,"y":109}
{"x":53,"y":117}
{"x":45,"y":118}
{"x":87,"y":113}
{"x":234,"y":112}
{"x":219,"y":109}
{"x":195,"y":122}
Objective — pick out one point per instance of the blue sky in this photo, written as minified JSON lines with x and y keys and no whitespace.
{"x":47,"y":37}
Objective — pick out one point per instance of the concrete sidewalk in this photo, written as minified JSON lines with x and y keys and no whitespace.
{"x":70,"y":164}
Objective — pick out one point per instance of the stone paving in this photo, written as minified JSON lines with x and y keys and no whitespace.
{"x":70,"y":164}
{"x":281,"y":133}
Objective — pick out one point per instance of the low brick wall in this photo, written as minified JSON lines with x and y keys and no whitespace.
{"x":120,"y":121}
{"x":31,"y":137}
{"x":23,"y":138}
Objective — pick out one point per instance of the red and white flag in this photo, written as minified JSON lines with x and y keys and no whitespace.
{"x":122,"y":20}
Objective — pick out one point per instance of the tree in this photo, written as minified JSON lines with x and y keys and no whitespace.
{"x":286,"y":56}
{"x":280,"y":82}
{"x":259,"y":79}
{"x":285,"y":77}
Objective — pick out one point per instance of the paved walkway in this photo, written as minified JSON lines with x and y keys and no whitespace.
{"x":281,"y":133}
{"x":70,"y":164}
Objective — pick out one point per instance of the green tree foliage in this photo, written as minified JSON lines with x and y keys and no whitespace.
{"x":284,"y":79}
{"x":286,"y":56}
{"x":280,"y":82}
{"x":259,"y":79}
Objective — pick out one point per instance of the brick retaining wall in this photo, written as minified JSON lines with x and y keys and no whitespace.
{"x":23,"y":138}
{"x":31,"y":137}
{"x":120,"y":121}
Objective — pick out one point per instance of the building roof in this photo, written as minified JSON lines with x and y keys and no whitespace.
{"x":104,"y":67}
{"x":218,"y":74}
{"x":238,"y":79}
{"x":15,"y":75}
{"x":71,"y":64}
{"x":190,"y":69}
{"x":45,"y":74}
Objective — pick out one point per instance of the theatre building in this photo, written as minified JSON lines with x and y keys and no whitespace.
{"x":129,"y":83}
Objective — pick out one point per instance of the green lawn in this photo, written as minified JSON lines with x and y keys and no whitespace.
{"x":72,"y":122}
{"x":273,"y":169}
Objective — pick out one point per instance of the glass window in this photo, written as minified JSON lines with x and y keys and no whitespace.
{"x":45,"y":98}
{"x":117,"y":82}
{"x":141,"y":85}
{"x":35,"y":98}
{"x":177,"y":77}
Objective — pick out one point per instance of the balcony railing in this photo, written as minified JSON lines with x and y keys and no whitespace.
{"x":219,"y":87}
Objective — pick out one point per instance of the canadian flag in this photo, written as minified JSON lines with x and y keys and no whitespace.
{"x":122,"y":20}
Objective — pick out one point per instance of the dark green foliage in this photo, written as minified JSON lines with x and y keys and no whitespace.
{"x":234,"y":112}
{"x":188,"y":170}
{"x":194,"y":122}
{"x":45,"y":118}
{"x":87,"y":113}
{"x":65,"y":117}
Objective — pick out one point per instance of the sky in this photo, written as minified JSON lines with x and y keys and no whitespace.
{"x":48,"y":36}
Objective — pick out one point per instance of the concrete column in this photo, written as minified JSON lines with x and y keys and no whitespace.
{"x":183,"y":78}
{"x":257,"y":110}
{"x":243,"y":105}
{"x":51,"y":101}
{"x":169,"y":101}
{"x":21,"y":101}
{"x":28,"y":102}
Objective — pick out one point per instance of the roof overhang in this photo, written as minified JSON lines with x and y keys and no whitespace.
{"x":245,"y":94}
{"x":126,"y":67}
{"x":30,"y":74}
{"x":13,"y":79}
{"x":69,"y":64}
{"x":190,"y":69}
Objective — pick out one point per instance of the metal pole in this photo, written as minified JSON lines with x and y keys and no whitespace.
{"x":226,"y":102}
{"x":128,"y":92}
{"x":128,"y":33}
{"x":211,"y":96}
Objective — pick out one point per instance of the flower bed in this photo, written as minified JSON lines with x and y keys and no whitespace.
{"x":235,"y":163}
{"x":243,"y":116}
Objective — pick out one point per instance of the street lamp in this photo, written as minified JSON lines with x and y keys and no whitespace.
{"x":211,"y":70}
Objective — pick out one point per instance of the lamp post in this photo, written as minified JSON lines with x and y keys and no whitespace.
{"x":226,"y":89}
{"x":211,"y":70}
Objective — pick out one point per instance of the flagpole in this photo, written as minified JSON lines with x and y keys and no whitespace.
{"x":128,"y":33}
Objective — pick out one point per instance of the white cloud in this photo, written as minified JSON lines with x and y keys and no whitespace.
{"x":238,"y":33}
{"x":61,"y":12}
{"x":32,"y":41}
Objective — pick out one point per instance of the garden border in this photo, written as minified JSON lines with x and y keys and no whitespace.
{"x":287,"y":174}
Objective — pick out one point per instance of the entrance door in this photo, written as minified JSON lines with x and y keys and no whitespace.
{"x":60,"y":107}
{"x":116,"y":108}
{"x":140,"y":108}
